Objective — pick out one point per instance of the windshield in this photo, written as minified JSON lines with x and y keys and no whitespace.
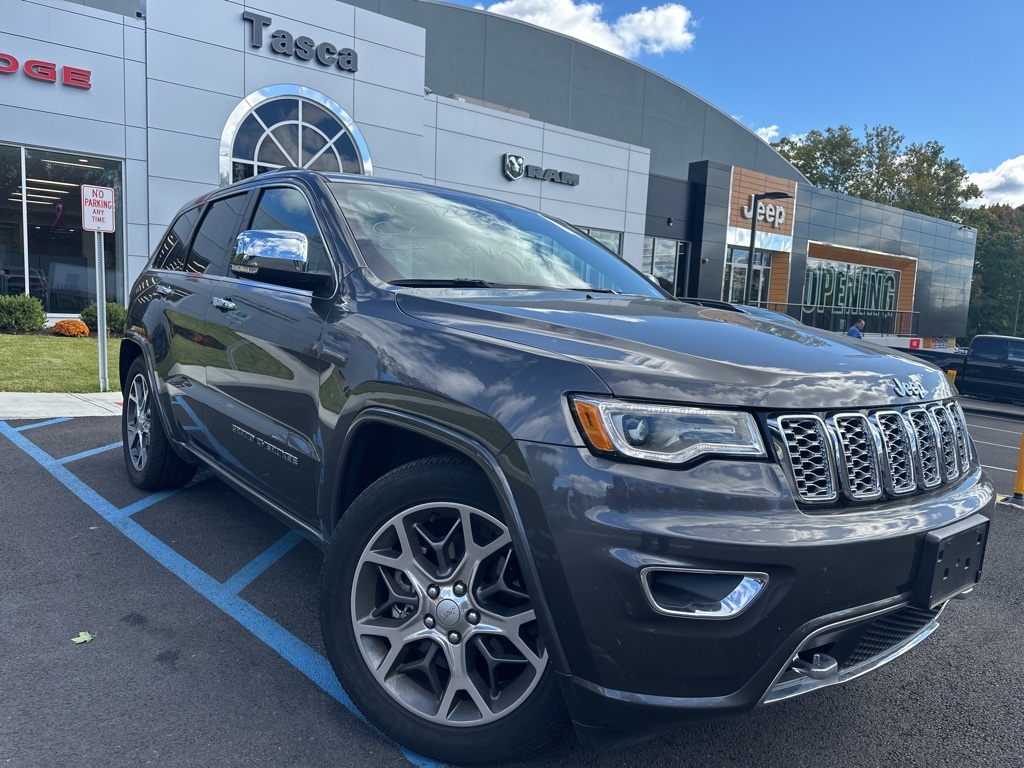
{"x":439,"y":238}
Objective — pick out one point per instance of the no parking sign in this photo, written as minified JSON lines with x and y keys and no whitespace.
{"x":97,"y":208}
{"x":98,"y":217}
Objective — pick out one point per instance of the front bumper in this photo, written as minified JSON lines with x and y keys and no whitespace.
{"x":628,"y":671}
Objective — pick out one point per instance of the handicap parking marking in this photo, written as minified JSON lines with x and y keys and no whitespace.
{"x":42,"y":424}
{"x":223,"y":595}
{"x":86,"y":454}
{"x":262,"y":562}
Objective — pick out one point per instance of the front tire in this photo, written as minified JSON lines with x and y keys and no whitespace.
{"x":428,"y":623}
{"x":148,"y":456}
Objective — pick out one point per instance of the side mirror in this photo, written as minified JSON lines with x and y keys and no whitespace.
{"x":277,"y":257}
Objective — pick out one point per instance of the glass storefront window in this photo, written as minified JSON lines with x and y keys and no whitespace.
{"x":12,"y":251}
{"x":836,"y":291}
{"x":606,"y":237}
{"x":734,"y":281}
{"x":664,"y":259}
{"x":47,"y":206}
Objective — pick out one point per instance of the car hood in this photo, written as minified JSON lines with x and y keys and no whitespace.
{"x":657,"y":349}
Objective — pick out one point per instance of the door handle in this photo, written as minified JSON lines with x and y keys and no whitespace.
{"x":222,"y":304}
{"x":164,"y":290}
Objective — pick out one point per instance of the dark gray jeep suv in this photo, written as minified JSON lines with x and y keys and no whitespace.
{"x":541,"y":483}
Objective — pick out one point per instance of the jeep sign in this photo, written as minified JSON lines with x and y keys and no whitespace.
{"x":773,"y":214}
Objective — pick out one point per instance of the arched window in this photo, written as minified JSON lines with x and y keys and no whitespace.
{"x":290,"y":126}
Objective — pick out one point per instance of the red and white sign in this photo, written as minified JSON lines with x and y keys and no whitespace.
{"x":46,"y":71}
{"x":97,"y":209}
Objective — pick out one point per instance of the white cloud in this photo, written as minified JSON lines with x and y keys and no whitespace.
{"x":650,"y":30}
{"x":1005,"y":184}
{"x":769,"y":133}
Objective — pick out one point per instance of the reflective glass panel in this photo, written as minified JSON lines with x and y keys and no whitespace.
{"x":441,"y":236}
{"x":12,"y":254}
{"x":61,"y":255}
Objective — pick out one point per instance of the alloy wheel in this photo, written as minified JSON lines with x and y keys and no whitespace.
{"x":139,"y":422}
{"x":442,"y":617}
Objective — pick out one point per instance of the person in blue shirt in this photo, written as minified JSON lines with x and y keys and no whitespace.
{"x":856,"y":328}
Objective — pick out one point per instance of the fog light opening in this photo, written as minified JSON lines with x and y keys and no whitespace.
{"x":701,"y":594}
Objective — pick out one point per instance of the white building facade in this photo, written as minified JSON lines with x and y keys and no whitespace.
{"x":193,"y":94}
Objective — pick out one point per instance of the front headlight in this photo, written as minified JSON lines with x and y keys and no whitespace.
{"x":667,"y":434}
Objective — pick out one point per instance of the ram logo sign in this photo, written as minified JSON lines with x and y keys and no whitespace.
{"x":515,"y":167}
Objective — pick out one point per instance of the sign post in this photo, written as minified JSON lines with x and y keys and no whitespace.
{"x":98,"y":217}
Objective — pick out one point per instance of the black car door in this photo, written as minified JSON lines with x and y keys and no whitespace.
{"x":177,"y":294}
{"x":984,"y":367}
{"x":264,"y":371}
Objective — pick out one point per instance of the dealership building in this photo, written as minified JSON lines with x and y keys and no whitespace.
{"x":163,"y":100}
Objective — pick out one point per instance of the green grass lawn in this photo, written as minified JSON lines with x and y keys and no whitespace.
{"x":44,"y":363}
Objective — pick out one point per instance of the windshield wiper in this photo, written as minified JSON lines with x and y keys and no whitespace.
{"x":441,"y":282}
{"x":593,"y":290}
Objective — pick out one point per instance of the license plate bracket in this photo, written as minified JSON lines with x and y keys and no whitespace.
{"x":951,"y":561}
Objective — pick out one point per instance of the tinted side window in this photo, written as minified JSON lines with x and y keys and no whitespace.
{"x":1015,"y":352}
{"x":170,"y":254}
{"x":284,"y":208}
{"x":988,"y":350}
{"x":215,"y":239}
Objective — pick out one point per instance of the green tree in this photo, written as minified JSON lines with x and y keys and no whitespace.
{"x":880,"y":167}
{"x":998,"y":283}
{"x":830,"y":160}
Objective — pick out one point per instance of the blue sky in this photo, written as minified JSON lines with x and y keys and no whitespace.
{"x":940,"y":70}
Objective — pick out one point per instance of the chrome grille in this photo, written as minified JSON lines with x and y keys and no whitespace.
{"x":926,"y":434}
{"x":863,"y":456}
{"x":956,"y":413}
{"x":898,"y":446}
{"x":807,"y":445}
{"x":859,"y":456}
{"x":947,"y":442}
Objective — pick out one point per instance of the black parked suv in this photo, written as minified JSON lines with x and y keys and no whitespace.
{"x":542,"y":484}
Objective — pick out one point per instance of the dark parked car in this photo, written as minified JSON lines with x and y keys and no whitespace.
{"x":541,"y":483}
{"x":992,"y":367}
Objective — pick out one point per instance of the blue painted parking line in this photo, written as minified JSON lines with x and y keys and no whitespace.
{"x":261,"y":562}
{"x":86,"y":454}
{"x":42,"y":424}
{"x":284,"y":643}
{"x":149,"y":501}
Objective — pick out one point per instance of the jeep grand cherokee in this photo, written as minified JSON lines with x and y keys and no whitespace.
{"x":542,"y":484}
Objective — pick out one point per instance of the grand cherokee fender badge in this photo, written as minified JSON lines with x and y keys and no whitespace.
{"x":269,"y":447}
{"x":908,"y":388}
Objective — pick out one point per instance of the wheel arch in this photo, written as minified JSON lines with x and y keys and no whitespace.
{"x":421,"y":438}
{"x":131,"y":350}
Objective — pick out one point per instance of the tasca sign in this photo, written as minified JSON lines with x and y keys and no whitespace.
{"x":515,"y":167}
{"x":284,"y":43}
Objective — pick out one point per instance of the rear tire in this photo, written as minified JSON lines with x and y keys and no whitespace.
{"x":149,"y":458}
{"x":428,"y":623}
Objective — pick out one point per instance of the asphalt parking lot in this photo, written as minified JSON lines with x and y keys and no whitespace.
{"x":207,"y":649}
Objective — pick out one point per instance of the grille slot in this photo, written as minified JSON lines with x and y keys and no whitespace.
{"x":859,"y":454}
{"x":947,"y":442}
{"x":806,"y":442}
{"x":956,"y":413}
{"x":898,"y":446}
{"x":863,"y":456}
{"x":926,"y":434}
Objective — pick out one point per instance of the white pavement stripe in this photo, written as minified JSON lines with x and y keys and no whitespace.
{"x":999,"y":445}
{"x":993,"y":429}
{"x":1001,"y":469}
